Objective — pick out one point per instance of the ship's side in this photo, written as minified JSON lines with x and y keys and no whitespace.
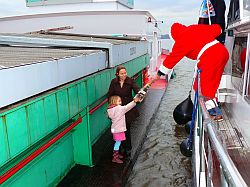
{"x":57,"y":112}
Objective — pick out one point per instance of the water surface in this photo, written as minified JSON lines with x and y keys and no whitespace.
{"x":160,"y":162}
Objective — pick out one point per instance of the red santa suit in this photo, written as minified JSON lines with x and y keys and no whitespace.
{"x":197,"y":42}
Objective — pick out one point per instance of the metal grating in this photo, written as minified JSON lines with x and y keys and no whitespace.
{"x":18,"y":56}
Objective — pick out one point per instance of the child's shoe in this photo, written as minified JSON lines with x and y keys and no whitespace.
{"x":116,"y":158}
{"x":120,"y":155}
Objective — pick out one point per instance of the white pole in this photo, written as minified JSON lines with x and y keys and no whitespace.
{"x":208,"y":13}
{"x":153,"y":64}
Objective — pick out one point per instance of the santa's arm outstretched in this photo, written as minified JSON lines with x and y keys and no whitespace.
{"x":171,"y":60}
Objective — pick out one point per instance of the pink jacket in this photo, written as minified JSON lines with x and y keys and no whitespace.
{"x":117,"y":116}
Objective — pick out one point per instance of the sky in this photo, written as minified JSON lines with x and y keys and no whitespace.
{"x":168,"y":11}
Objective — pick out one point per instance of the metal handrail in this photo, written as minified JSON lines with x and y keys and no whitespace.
{"x":231,"y":173}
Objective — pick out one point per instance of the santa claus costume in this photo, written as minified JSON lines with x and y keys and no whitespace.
{"x":198,"y":42}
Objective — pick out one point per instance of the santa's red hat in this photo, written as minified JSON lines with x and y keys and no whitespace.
{"x":176,"y":31}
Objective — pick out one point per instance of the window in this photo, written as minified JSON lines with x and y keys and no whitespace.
{"x":238,"y":62}
{"x":246,"y":8}
{"x":233,"y":12}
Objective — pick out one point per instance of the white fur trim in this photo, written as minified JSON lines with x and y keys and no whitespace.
{"x":211,"y":104}
{"x":112,"y":130}
{"x":205,"y":47}
{"x":164,"y":70}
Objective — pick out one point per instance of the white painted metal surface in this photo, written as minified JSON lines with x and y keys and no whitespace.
{"x":225,"y":92}
{"x":134,"y":23}
{"x":28,"y":80}
{"x":84,"y":22}
{"x":97,"y":18}
{"x":119,"y":51}
{"x":41,"y":69}
{"x":239,"y":109}
{"x":86,"y":3}
{"x":124,"y":53}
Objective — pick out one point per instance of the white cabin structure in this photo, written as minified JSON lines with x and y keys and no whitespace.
{"x":91,"y":17}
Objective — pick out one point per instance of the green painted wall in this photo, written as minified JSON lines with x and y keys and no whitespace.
{"x":48,"y":168}
{"x":82,"y":143}
{"x":4,"y":151}
{"x":97,"y":126}
{"x":17,"y":132}
{"x":27,"y":125}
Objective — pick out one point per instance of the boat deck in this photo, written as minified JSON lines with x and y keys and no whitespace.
{"x":236,"y":146}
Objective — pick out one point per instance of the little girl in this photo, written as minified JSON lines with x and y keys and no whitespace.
{"x":116,"y":113}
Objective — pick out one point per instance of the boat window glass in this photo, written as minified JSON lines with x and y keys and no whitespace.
{"x":238,"y":62}
{"x":233,"y":12}
{"x":246,"y":8}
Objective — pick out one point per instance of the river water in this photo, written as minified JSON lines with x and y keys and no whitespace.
{"x":160,"y":162}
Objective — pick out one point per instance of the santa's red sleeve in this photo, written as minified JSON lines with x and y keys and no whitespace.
{"x":172,"y":59}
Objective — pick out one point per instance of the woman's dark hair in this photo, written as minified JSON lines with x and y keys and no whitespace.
{"x":118,"y":69}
